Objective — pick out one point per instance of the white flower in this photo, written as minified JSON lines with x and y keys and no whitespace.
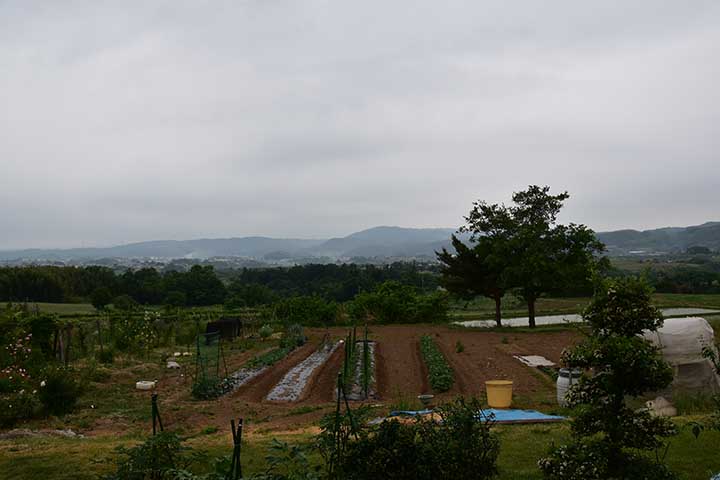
{"x":42,"y":384}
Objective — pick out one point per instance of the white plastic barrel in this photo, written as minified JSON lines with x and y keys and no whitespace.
{"x":564,"y":380}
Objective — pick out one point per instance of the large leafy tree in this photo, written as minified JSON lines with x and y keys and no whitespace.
{"x":608,"y":435}
{"x":539,"y":255}
{"x":474,"y":270}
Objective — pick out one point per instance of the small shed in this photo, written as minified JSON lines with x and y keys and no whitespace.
{"x":681,"y":341}
{"x":228,"y":327}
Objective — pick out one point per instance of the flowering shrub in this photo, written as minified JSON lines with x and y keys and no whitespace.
{"x":18,"y":396}
{"x":135,"y":332}
{"x":608,"y":436}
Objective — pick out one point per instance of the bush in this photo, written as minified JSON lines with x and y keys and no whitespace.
{"x":106,"y":356}
{"x":162,"y":456}
{"x":440,"y":374}
{"x":460,"y":446}
{"x":293,"y":337}
{"x":17,"y":406}
{"x":59,"y":390}
{"x":265,"y":331}
{"x":393,"y":302}
{"x":208,"y":388}
{"x":307,"y":310}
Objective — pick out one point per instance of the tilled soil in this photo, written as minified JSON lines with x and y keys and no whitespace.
{"x":400,"y":375}
{"x":257,"y":389}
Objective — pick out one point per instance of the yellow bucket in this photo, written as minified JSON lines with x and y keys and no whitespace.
{"x":499,"y":393}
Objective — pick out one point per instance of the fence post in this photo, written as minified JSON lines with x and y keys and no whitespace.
{"x":366,"y":364}
{"x":156,"y":420}
{"x":235,"y":466}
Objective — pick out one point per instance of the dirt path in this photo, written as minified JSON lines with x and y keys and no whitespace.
{"x":401,"y":372}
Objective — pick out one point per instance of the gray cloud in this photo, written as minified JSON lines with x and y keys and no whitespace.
{"x":144,"y":120}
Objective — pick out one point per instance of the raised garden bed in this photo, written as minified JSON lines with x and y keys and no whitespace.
{"x":362,"y":385}
{"x":255,"y":366}
{"x":440,"y":374}
{"x":292,"y":385}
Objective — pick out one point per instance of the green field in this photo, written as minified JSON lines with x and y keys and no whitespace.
{"x":521,"y":447}
{"x":484,"y":308}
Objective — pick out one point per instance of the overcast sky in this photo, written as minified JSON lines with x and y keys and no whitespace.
{"x":128,"y":121}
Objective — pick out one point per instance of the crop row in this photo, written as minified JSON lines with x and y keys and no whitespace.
{"x":440,"y":374}
{"x":268,"y":359}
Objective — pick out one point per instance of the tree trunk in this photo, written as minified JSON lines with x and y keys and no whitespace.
{"x":531,"y":311}
{"x":498,"y":318}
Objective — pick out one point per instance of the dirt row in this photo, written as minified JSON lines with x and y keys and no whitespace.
{"x":401,"y":371}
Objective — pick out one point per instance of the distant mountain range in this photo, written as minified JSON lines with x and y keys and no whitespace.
{"x":670,"y":239}
{"x":378,"y":242}
{"x":374,"y":242}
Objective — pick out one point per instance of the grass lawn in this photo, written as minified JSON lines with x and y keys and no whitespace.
{"x":63,"y":308}
{"x":521,"y":447}
{"x":484,"y":308}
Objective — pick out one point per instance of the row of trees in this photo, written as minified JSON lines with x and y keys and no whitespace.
{"x":198,"y":286}
{"x":201,"y":285}
{"x":521,"y":249}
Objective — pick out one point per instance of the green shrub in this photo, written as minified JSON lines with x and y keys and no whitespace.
{"x":293,"y":337}
{"x":59,"y":390}
{"x":106,"y":356}
{"x":208,"y":388}
{"x":440,"y":374}
{"x":265,"y":331}
{"x":459,"y":347}
{"x":162,"y":456}
{"x":307,"y":310}
{"x":460,"y":446}
{"x":17,"y":406}
{"x":393,"y":302}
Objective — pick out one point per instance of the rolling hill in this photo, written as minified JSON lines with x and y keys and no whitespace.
{"x":377,"y":242}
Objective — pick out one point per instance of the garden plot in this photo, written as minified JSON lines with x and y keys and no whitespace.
{"x":363,"y":385}
{"x":292,"y":385}
{"x":244,"y":375}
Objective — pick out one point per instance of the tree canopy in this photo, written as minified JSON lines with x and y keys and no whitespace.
{"x":520,"y":247}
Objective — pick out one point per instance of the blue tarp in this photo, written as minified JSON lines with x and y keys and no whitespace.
{"x":521,"y":416}
{"x":500,"y":416}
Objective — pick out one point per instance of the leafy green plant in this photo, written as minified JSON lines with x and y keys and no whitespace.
{"x":460,"y":446}
{"x":268,"y":358}
{"x":288,"y":462}
{"x":459,"y":347}
{"x":162,"y":456}
{"x":265,"y":331}
{"x":59,"y":390}
{"x":293,"y":337}
{"x":440,"y":374}
{"x":18,"y":406}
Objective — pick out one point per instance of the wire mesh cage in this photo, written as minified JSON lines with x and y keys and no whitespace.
{"x":208,"y":357}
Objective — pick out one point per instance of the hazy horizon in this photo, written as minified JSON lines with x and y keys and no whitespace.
{"x":308,"y":238}
{"x":137,"y":121}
